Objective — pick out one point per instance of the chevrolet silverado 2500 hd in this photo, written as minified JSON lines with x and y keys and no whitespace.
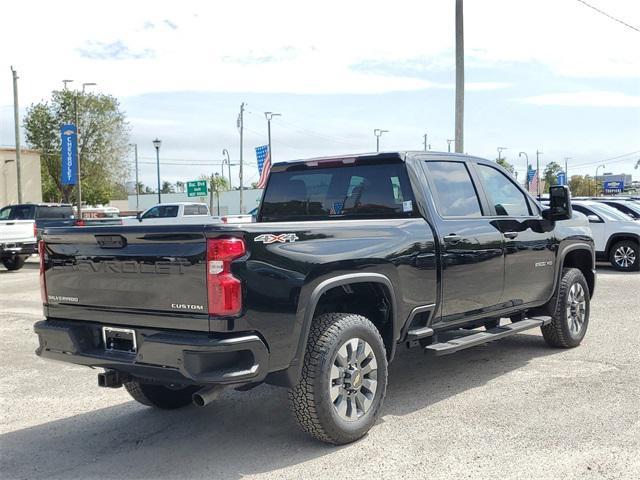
{"x":350,"y":257}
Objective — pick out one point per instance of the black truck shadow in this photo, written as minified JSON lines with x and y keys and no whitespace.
{"x":240,"y":434}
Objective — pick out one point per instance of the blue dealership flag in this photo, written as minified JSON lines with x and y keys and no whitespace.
{"x":562,"y":178}
{"x":69,"y":144}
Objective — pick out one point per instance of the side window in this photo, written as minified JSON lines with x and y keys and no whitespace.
{"x":190,"y":210}
{"x":507,"y":199}
{"x":202,"y":210}
{"x":168,"y":211}
{"x":456,"y":195}
{"x":585,"y":211}
{"x":152,"y":213}
{"x":4,"y":213}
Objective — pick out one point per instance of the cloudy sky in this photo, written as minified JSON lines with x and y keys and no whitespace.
{"x":548,"y":75}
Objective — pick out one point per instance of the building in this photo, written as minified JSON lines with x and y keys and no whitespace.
{"x":624,"y":179}
{"x":30,"y":173}
{"x":229,"y":201}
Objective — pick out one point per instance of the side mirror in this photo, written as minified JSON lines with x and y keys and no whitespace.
{"x":139,"y":216}
{"x":593,"y":219}
{"x":559,"y":204}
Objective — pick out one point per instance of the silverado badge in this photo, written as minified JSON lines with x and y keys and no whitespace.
{"x":268,"y":238}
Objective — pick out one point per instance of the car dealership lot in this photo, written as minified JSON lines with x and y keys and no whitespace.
{"x":510,"y":409}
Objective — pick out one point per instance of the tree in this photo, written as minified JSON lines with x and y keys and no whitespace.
{"x":550,"y":175}
{"x":216,"y":182}
{"x":167,"y":187}
{"x":104,"y":136}
{"x":506,"y":165}
{"x":180,"y":186}
{"x":581,"y":185}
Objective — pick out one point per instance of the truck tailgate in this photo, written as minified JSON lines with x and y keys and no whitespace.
{"x":144,"y":276}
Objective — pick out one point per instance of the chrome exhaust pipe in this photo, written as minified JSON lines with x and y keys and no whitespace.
{"x":206,"y":395}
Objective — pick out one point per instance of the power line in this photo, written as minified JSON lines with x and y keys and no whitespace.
{"x":618,"y":158}
{"x":610,"y":16}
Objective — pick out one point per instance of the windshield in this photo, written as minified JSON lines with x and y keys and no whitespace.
{"x":610,"y":213}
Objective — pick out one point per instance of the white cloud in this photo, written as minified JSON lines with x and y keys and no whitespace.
{"x":585,"y":99}
{"x":298,"y":47}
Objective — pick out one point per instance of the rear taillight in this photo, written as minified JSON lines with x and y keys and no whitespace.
{"x":79,"y":223}
{"x":43,"y":283}
{"x":224,"y":291}
{"x":35,"y":231}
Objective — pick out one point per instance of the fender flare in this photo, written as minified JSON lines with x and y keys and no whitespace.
{"x":616,"y":237}
{"x":295,"y":367}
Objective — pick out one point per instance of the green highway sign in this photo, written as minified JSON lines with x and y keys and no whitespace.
{"x":197,"y":188}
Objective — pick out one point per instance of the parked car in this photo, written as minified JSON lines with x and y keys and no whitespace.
{"x":44,"y":214}
{"x":616,"y":235}
{"x":17,"y":242}
{"x":173,"y":213}
{"x":349,"y":258}
{"x":626,"y":206}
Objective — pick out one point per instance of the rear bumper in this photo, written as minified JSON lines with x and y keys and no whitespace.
{"x":18,"y":248}
{"x":165,"y":356}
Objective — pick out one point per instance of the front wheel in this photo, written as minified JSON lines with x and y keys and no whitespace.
{"x":16,"y":262}
{"x":343,"y":381}
{"x":167,"y":397}
{"x":624,"y":256}
{"x":570,"y":317}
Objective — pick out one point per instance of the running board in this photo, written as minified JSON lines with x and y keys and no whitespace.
{"x":460,"y":339}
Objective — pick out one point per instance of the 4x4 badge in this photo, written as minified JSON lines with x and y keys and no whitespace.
{"x":268,"y":238}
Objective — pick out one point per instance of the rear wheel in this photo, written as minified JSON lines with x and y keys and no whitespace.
{"x":570,"y":317}
{"x":16,"y":262}
{"x":624,"y":256}
{"x":343,"y":381}
{"x":167,"y":397}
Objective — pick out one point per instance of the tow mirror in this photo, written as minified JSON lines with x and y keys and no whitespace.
{"x":559,"y":204}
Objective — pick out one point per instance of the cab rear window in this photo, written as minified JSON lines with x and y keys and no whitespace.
{"x":342,"y":192}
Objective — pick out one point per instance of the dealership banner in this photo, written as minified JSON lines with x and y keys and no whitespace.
{"x":69,"y":142}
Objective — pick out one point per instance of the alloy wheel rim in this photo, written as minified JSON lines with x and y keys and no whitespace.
{"x":576,"y":308}
{"x":624,"y":256}
{"x":353,"y":379}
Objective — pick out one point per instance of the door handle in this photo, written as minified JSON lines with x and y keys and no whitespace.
{"x":452,"y":238}
{"x":510,"y":234}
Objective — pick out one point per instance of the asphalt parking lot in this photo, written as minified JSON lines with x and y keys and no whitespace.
{"x":511,"y":409}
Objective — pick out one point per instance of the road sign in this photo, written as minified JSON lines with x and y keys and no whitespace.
{"x":613,"y":186}
{"x":562,"y":178}
{"x":69,"y":141}
{"x":197,"y":188}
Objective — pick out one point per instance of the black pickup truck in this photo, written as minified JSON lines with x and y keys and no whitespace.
{"x":349,"y":257}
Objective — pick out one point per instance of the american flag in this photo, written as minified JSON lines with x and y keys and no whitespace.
{"x":264,"y":164}
{"x":533,"y":181}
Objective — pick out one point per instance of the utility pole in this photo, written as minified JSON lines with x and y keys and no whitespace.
{"x":241,"y":128}
{"x":526,"y":177}
{"x":500,"y":149}
{"x":269,"y":116}
{"x":78,"y":137}
{"x":426,"y":145}
{"x":459,"y":136}
{"x":156,"y":144}
{"x":566,"y":169}
{"x":538,"y":172}
{"x":597,"y":192}
{"x":16,"y":123}
{"x":378,"y":133}
{"x":135,"y":156}
{"x":449,"y":142}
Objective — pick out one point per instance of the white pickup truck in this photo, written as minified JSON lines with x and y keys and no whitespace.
{"x":17,"y":242}
{"x":173,"y":213}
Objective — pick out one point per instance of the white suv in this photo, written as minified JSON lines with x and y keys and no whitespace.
{"x":616,"y":234}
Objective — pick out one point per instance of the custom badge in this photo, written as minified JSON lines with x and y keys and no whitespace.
{"x":268,"y":238}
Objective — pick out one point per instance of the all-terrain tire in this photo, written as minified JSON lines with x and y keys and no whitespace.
{"x":160,"y":396}
{"x":15,"y":262}
{"x":311,"y":399}
{"x":559,"y":333}
{"x":624,"y":256}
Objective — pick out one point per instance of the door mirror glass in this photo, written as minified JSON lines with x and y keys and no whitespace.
{"x":559,"y":204}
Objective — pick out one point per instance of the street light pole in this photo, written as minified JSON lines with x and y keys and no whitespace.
{"x":78,"y":140}
{"x":227,"y":159}
{"x":500,"y":149}
{"x":426,"y":145}
{"x":566,"y":169}
{"x":157,"y":143}
{"x":241,"y":128}
{"x":135,"y":156}
{"x":538,"y":172}
{"x":596,"y":180}
{"x":269,"y":116}
{"x":449,"y":142}
{"x":378,"y":133}
{"x":459,"y":120}
{"x":526,"y":177}
{"x":16,"y":125}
